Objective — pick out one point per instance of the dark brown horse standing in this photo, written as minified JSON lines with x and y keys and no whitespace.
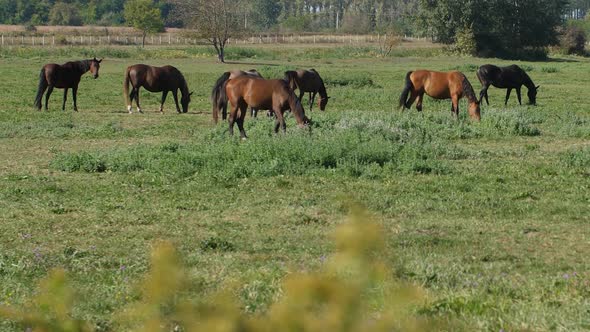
{"x":64,"y":76}
{"x":439,"y":85}
{"x":510,"y":77}
{"x":156,"y":79}
{"x":308,"y":81}
{"x":218,"y":96}
{"x":261,"y":94}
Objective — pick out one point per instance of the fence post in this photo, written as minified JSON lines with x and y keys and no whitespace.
{"x":160,"y":39}
{"x":2,"y":40}
{"x":43,"y":40}
{"x":169,"y":39}
{"x":33,"y":39}
{"x":53,"y":40}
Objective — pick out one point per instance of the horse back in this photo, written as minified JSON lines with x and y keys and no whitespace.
{"x":61,"y":76}
{"x":258,"y":93}
{"x":309,"y":80}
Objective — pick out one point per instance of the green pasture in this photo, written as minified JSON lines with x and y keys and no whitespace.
{"x":490,"y":218}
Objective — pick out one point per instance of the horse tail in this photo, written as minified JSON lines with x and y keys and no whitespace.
{"x":41,"y":89}
{"x":218,"y":95}
{"x":291,"y":78}
{"x":479,"y":73}
{"x":407,"y":88}
{"x":126,"y":87}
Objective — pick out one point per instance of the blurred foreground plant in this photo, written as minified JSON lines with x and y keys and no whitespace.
{"x":354,"y":291}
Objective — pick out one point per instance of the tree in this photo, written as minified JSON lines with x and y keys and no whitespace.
{"x":505,"y":28}
{"x":265,"y":13}
{"x":64,"y":14}
{"x":214,"y":20}
{"x":143,"y":15}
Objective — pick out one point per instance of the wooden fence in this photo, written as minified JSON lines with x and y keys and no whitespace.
{"x":170,"y":39}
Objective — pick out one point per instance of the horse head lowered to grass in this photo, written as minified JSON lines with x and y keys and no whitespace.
{"x":261,"y":94}
{"x":156,"y":79}
{"x":439,"y":85}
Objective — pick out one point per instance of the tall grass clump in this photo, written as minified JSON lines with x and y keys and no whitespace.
{"x":355,"y":290}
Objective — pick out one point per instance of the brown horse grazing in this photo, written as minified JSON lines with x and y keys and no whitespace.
{"x":275,"y":95}
{"x":439,"y":85}
{"x":218,"y":96}
{"x":155,"y":79}
{"x":64,"y":77}
{"x":308,"y":81}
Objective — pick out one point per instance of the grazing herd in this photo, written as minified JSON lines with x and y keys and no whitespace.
{"x":243,"y":89}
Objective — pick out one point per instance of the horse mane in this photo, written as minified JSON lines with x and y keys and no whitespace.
{"x":82,"y":65}
{"x":468,"y":90}
{"x":528,"y":82}
{"x":323,"y":93}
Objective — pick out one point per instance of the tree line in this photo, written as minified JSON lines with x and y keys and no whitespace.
{"x":486,"y":27}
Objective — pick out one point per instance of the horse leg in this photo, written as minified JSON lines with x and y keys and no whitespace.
{"x":419,"y":102}
{"x":507,"y":96}
{"x":279,"y":121}
{"x":410,"y":101}
{"x":63,"y":106}
{"x":455,"y":106}
{"x":131,"y":97}
{"x":175,"y":95}
{"x":75,"y":97}
{"x":240,"y":120}
{"x":164,"y":94}
{"x":253,"y":112}
{"x":232,"y":118}
{"x":49,"y":92}
{"x":484,"y":94}
{"x":518,"y":96}
{"x":311,"y":98}
{"x":137,"y":100}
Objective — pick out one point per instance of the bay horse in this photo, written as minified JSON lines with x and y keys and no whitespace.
{"x":510,"y":77}
{"x":262,"y":94}
{"x":308,"y":81}
{"x":439,"y":85}
{"x":156,"y":79}
{"x":64,"y":76}
{"x":218,"y":96}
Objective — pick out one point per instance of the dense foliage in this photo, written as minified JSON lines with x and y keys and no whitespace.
{"x":501,"y":28}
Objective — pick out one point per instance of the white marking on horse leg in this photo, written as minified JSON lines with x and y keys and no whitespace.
{"x":139,"y":110}
{"x":129,"y":109}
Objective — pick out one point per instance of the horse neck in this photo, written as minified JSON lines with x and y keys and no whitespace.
{"x":296,"y":108}
{"x":528,"y":82}
{"x":322,"y":91}
{"x":83,"y":66}
{"x":183,"y":86}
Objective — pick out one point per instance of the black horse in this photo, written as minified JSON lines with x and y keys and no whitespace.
{"x":64,"y":77}
{"x":511,"y":77}
{"x":156,"y":79}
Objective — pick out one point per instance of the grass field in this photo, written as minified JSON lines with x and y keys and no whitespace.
{"x":490,"y":218}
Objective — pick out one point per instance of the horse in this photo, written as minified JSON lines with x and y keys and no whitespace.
{"x":155,"y":79}
{"x":439,"y":85}
{"x":308,"y":81}
{"x":218,"y":96}
{"x":262,"y":94}
{"x":510,"y":77}
{"x":64,"y":77}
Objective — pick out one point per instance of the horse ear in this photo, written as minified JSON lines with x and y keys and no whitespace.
{"x":99,"y":61}
{"x":537,"y":87}
{"x":191,"y":93}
